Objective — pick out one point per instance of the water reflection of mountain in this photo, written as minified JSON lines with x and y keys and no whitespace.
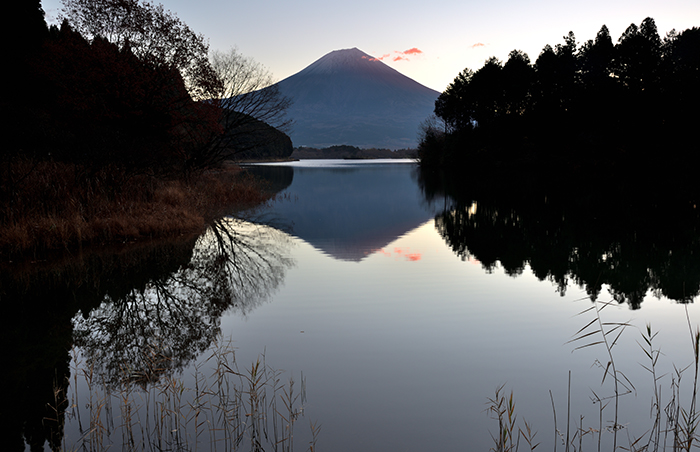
{"x":633,"y":240}
{"x":124,"y":309}
{"x":345,"y":212}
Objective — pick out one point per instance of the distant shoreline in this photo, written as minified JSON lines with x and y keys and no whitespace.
{"x":351,"y":153}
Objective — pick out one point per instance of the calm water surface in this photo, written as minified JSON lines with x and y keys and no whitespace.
{"x":402,"y":341}
{"x":351,"y":284}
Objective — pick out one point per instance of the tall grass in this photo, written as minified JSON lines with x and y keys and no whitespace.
{"x":225,"y":408}
{"x":674,"y":421}
{"x":50,"y":205}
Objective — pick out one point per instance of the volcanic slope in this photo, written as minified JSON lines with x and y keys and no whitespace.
{"x":349,"y":97}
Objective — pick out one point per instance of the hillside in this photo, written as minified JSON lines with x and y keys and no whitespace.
{"x":349,"y":97}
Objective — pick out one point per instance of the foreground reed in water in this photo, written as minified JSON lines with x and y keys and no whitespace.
{"x":675,"y":421}
{"x":226,"y":408}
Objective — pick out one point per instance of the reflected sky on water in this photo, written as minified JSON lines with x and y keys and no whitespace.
{"x":402,"y":348}
{"x":367,"y":281}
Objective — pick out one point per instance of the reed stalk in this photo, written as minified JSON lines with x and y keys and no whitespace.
{"x":255,"y":409}
{"x":674,"y":424}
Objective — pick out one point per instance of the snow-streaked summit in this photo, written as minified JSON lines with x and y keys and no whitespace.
{"x":342,"y":60}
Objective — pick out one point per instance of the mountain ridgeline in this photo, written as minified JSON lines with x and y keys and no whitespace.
{"x":349,"y":97}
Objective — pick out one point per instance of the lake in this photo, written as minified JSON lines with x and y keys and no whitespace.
{"x":398,"y":301}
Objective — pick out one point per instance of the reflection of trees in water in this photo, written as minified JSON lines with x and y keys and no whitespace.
{"x":646,"y":243}
{"x":149,"y":307}
{"x":40,"y":298}
{"x":165,"y":323}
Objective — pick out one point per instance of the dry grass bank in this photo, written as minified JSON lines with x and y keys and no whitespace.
{"x":49,"y":205}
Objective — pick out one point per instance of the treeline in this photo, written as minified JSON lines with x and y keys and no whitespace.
{"x":97,"y":104}
{"x":137,"y":90}
{"x":351,"y":152}
{"x":584,"y":105}
{"x":113,"y":118}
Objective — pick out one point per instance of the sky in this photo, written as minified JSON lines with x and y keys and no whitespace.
{"x":430,"y":42}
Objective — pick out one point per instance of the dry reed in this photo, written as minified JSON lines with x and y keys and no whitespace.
{"x":50,"y":205}
{"x":227,"y":409}
{"x":675,"y":423}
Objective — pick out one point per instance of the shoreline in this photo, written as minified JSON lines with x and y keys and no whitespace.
{"x":70,"y":215}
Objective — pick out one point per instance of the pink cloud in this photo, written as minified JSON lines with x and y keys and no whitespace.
{"x":478,"y":44}
{"x":377,"y":58}
{"x":412,"y":51}
{"x":398,"y":55}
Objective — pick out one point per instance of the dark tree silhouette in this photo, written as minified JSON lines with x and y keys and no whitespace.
{"x":487,"y":101}
{"x":114,"y":110}
{"x":153,"y":35}
{"x":517,"y":78}
{"x":596,"y":61}
{"x":577,"y":107}
{"x":638,"y":58}
{"x":252,"y":111}
{"x":451,"y":105}
{"x":239,"y":105}
{"x":23,"y":41}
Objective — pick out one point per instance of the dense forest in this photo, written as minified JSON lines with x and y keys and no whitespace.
{"x":119,"y":113}
{"x":591,"y":106}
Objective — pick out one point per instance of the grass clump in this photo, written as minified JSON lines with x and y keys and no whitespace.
{"x":675,"y":421}
{"x":502,"y":409}
{"x":223,"y":408}
{"x":47,"y":205}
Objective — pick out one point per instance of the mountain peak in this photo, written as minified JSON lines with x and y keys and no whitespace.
{"x":349,"y":97}
{"x":344,"y":61}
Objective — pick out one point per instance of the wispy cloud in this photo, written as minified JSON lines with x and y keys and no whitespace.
{"x":376,"y":59}
{"x":398,"y":55}
{"x":478,"y":44}
{"x":413,"y":51}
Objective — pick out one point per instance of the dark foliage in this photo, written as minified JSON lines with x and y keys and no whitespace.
{"x":126,"y":83}
{"x":94,"y":102}
{"x":582,"y":106}
{"x":576,"y":235}
{"x":103,"y":105}
{"x":114,"y":107}
{"x":251,"y":139}
{"x":153,"y":34}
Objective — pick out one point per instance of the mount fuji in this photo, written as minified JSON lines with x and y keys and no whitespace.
{"x":349,"y":97}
